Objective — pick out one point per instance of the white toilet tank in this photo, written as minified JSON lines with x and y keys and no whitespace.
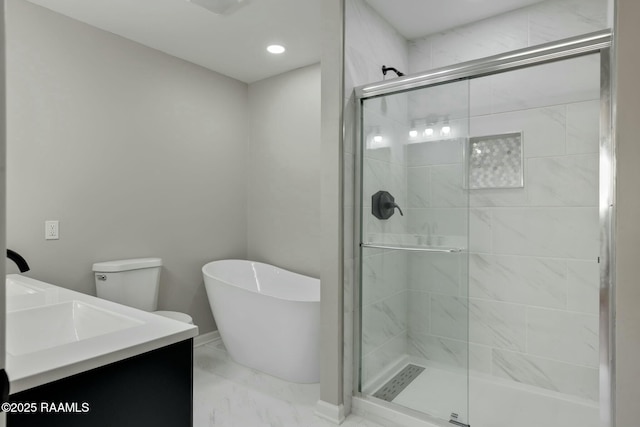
{"x":132,"y":282}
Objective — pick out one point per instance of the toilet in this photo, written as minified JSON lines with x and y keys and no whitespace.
{"x":135,"y":283}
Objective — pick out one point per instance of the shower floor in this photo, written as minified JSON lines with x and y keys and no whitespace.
{"x":492,"y":402}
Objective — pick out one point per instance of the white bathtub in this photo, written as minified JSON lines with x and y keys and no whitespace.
{"x":268,"y":318}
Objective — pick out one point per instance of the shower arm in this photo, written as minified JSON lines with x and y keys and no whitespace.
{"x":385,"y":69}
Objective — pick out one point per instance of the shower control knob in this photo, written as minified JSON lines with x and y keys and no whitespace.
{"x":383,"y":205}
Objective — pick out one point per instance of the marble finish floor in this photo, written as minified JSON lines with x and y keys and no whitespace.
{"x":227,"y":394}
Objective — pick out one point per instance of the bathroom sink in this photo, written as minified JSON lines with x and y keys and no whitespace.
{"x":21,"y":296}
{"x":40,"y":328}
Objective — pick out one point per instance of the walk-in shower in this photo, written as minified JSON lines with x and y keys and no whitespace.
{"x":480,"y":305}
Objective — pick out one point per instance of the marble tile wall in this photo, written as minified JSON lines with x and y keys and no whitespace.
{"x":540,"y":23}
{"x":529,"y":303}
{"x":532,"y":262}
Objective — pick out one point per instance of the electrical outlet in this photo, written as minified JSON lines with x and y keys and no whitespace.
{"x":51,"y":230}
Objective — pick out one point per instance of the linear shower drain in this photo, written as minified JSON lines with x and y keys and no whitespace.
{"x":399,"y":382}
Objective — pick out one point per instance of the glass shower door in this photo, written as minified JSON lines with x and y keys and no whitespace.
{"x":414,"y":232}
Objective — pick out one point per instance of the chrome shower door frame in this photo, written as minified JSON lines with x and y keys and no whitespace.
{"x":597,"y":42}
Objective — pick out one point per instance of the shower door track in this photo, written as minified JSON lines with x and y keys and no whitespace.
{"x":596,"y":42}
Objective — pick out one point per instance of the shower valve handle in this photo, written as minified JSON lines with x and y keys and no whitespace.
{"x":383,"y":205}
{"x":394,"y":205}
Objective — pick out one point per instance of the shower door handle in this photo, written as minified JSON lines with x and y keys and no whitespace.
{"x":383,"y":205}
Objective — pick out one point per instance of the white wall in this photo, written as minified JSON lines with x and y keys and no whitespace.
{"x":135,"y":152}
{"x":284,"y":171}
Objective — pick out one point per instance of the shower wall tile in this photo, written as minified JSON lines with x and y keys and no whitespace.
{"x":379,"y":175}
{"x":419,"y":187}
{"x":500,"y":197}
{"x":439,"y":152}
{"x":383,"y":230}
{"x":391,"y":148}
{"x":480,"y":104}
{"x":383,"y":321}
{"x":480,"y":358}
{"x":556,"y":20}
{"x":372,"y":42}
{"x":448,"y":352}
{"x":348,"y":276}
{"x":543,"y":129}
{"x":563,"y":181}
{"x":383,"y":275}
{"x":383,"y":358}
{"x":449,"y":317}
{"x":439,"y":273}
{"x":498,"y":325}
{"x":440,"y":350}
{"x":437,"y":223}
{"x":419,"y":313}
{"x":549,"y":374}
{"x":420,"y":55}
{"x":583,"y":286}
{"x":547,"y":232}
{"x":447,"y":187}
{"x":522,"y":280}
{"x":358,"y":68}
{"x":480,"y":230}
{"x":376,"y":175}
{"x":348,"y":184}
{"x":583,"y":127}
{"x":554,"y":83}
{"x":483,"y":38}
{"x":436,"y":103}
{"x":351,"y":123}
{"x":563,"y":336}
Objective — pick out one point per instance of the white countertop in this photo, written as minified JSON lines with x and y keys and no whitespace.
{"x":33,"y":368}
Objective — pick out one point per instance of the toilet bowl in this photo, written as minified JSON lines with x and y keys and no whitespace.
{"x":135,"y":283}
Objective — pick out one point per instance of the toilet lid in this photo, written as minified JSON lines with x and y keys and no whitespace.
{"x":181,"y":317}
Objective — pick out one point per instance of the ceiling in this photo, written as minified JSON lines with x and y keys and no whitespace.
{"x":234,"y":43}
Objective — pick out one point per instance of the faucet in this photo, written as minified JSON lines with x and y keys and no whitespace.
{"x":17,"y":258}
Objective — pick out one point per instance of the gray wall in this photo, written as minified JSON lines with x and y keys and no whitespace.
{"x":3,"y":145}
{"x":284,"y":171}
{"x":331,"y":255}
{"x":627,"y":243}
{"x":135,"y":152}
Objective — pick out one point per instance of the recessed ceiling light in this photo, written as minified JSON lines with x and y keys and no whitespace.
{"x":275,"y":48}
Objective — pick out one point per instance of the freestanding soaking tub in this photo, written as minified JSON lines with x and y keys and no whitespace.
{"x":268,"y":318}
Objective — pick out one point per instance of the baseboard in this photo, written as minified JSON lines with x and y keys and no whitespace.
{"x":330,"y":412}
{"x":203,"y":339}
